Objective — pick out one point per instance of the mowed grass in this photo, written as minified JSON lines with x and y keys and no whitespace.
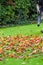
{"x":22,"y":30}
{"x":32,"y":61}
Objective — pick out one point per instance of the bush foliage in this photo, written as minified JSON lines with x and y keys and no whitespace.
{"x":17,"y":11}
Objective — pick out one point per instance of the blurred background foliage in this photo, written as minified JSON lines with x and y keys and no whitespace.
{"x":17,"y":11}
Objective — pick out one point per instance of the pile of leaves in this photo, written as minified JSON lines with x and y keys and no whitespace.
{"x":20,"y":46}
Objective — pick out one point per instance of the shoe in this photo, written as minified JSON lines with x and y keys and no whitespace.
{"x":41,"y":31}
{"x":38,"y":25}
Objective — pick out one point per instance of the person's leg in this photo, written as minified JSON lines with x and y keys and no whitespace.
{"x":39,"y":20}
{"x":39,"y":17}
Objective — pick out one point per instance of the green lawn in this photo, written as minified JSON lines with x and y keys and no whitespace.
{"x":22,"y":30}
{"x":33,"y":61}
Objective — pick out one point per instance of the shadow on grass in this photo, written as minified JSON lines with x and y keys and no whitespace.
{"x":14,"y":25}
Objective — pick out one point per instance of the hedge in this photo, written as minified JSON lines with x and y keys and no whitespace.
{"x":17,"y":11}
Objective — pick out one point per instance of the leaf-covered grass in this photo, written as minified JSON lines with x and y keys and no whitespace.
{"x":22,"y":30}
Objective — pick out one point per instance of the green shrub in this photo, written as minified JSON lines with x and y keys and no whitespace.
{"x":18,"y":12}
